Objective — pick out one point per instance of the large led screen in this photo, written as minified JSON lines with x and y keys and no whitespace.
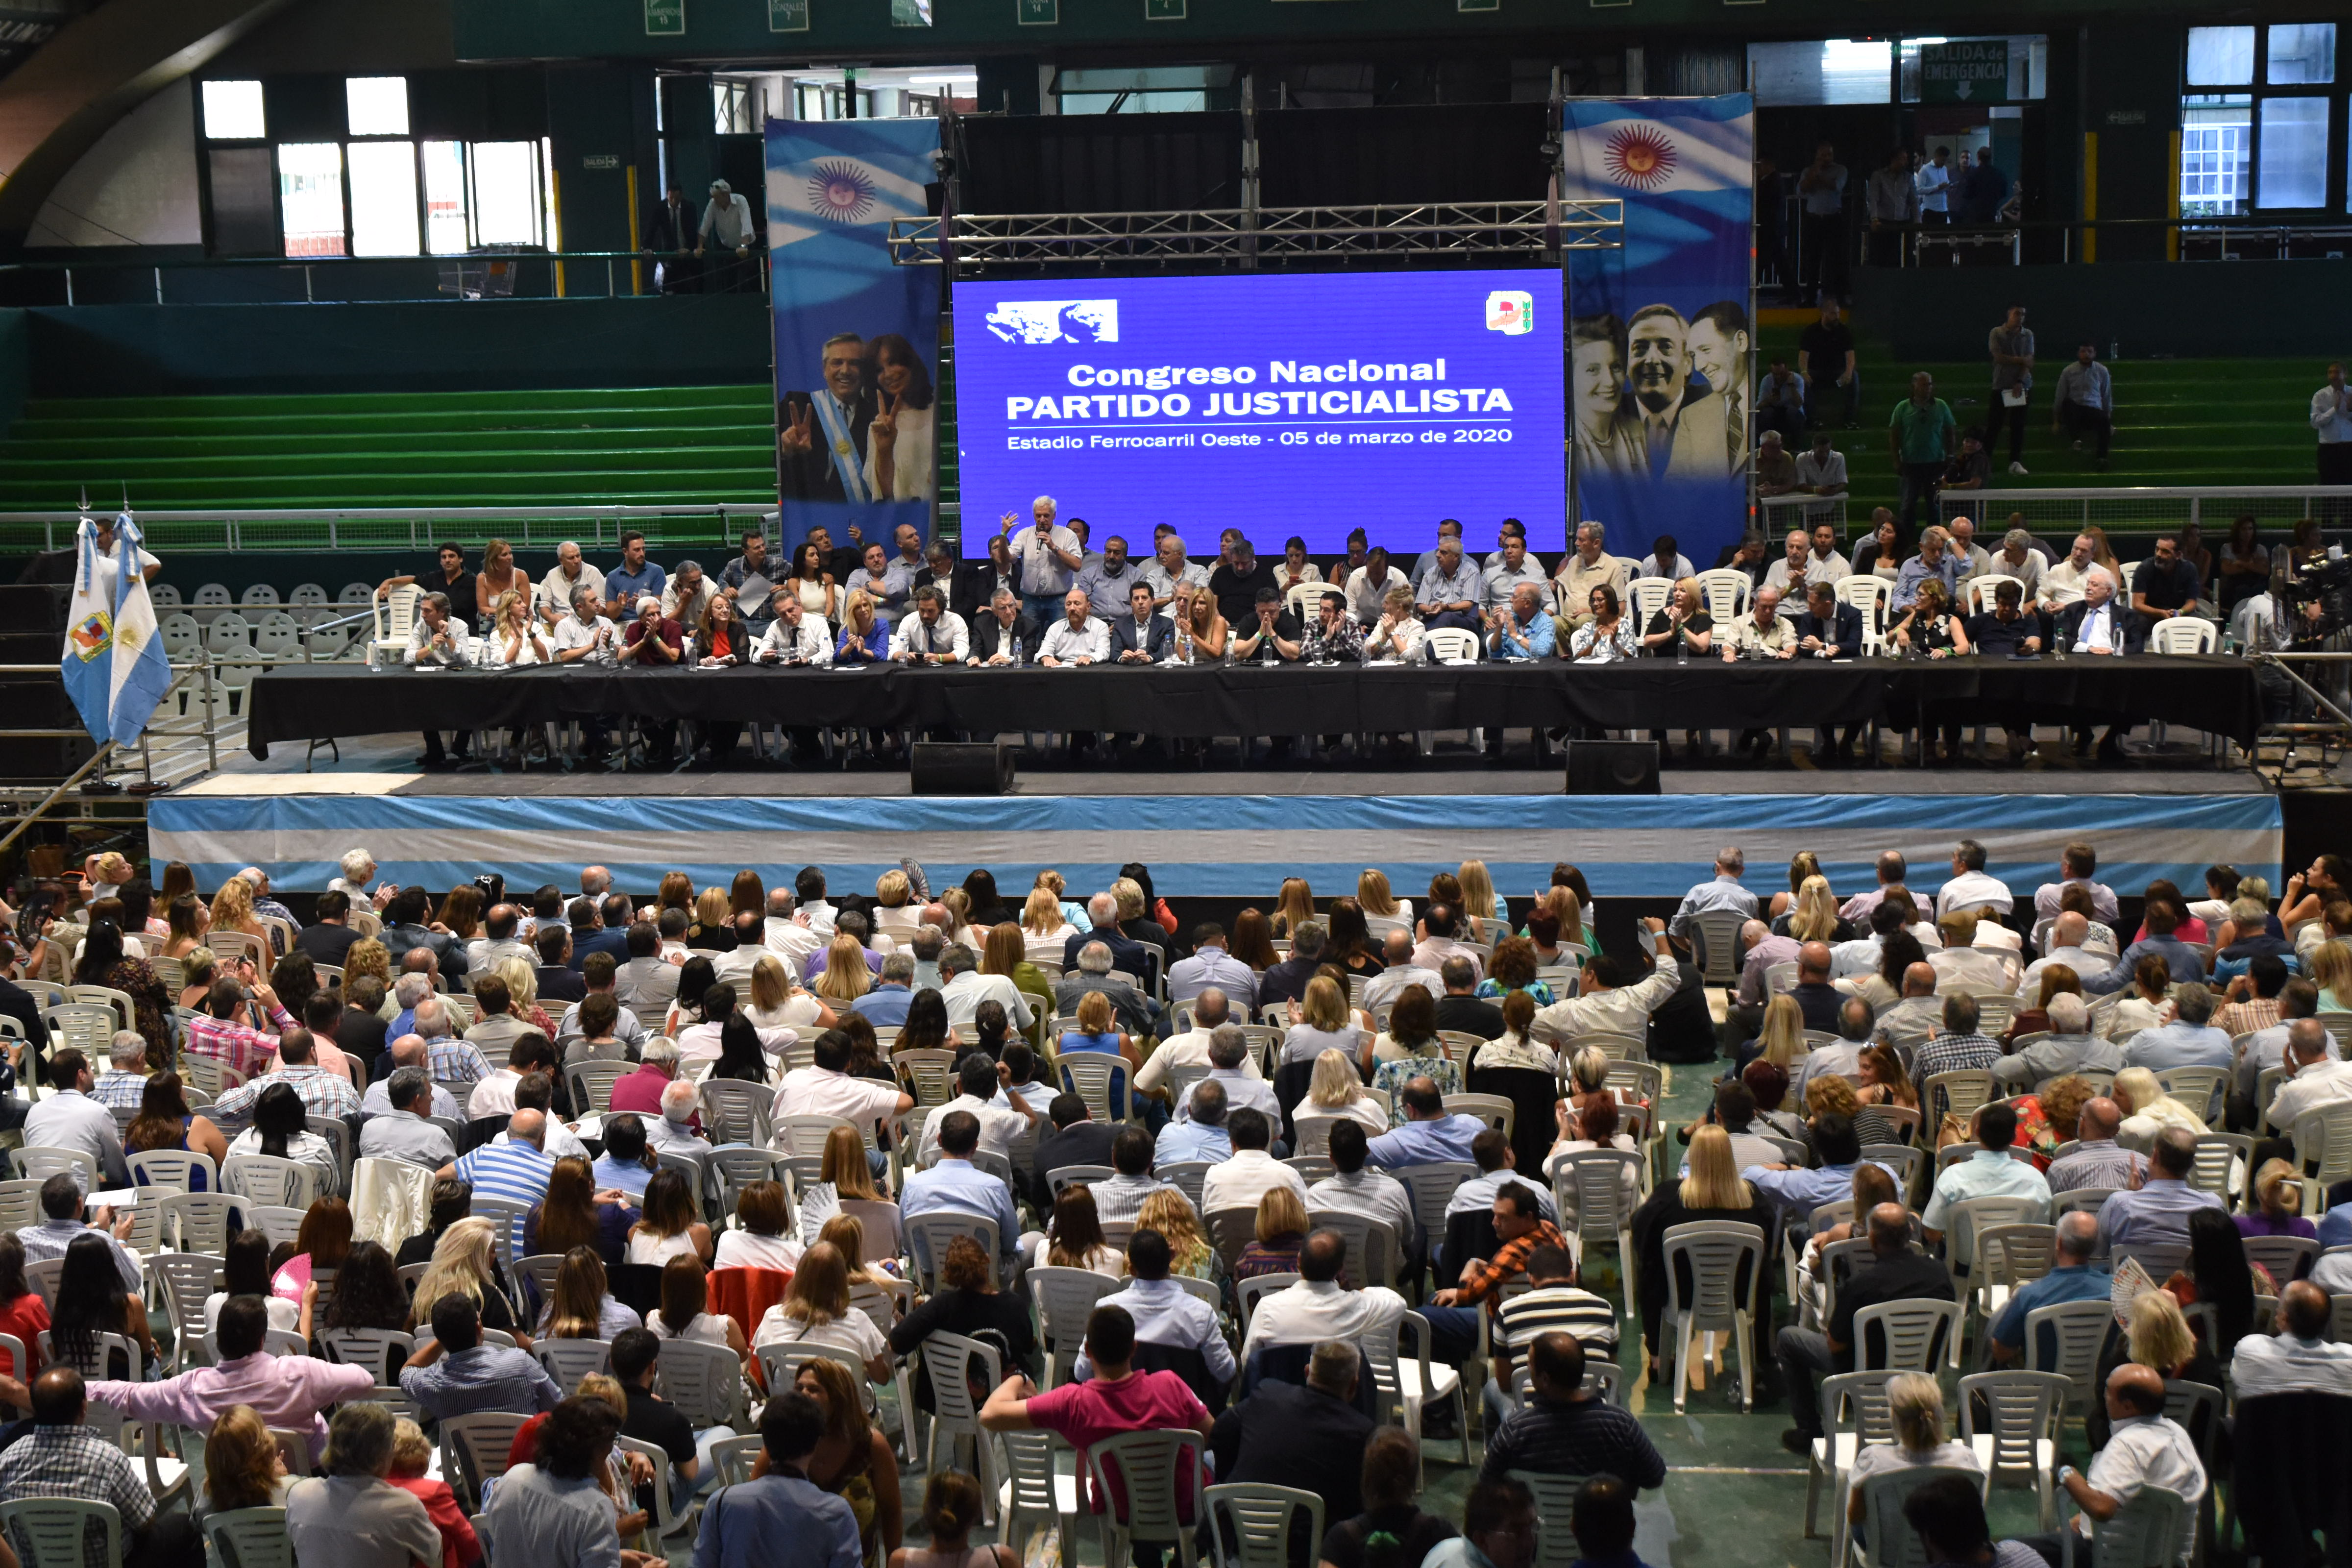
{"x":1305,"y":405}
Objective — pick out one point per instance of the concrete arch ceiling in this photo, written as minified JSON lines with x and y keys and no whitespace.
{"x":56,"y":106}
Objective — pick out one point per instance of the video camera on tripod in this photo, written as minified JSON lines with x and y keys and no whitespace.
{"x":2327,"y":584}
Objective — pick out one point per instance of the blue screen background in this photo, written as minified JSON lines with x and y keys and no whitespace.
{"x":1271,"y":473}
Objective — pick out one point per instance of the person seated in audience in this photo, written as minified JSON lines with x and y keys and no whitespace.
{"x":829,"y":1089}
{"x":1798,"y":1192}
{"x":287,"y":1391}
{"x":2148,"y":1449}
{"x":1428,"y":1134}
{"x":2077,"y":1275}
{"x":1917,"y":1405}
{"x":1988,"y":1172}
{"x":1279,"y":1231}
{"x":565,"y":1504}
{"x":2300,"y":1359}
{"x":2158,"y":1209}
{"x":2097,"y":1159}
{"x":1199,"y":1133}
{"x":977,"y":1081}
{"x":1710,"y":1189}
{"x":1318,"y":1307}
{"x":1520,"y":1229}
{"x":955,"y":1183}
{"x":2189,"y":1041}
{"x":1555,"y":1302}
{"x":2148,"y":1110}
{"x":1895,"y":1273}
{"x":1242,"y":1180}
{"x":403,"y":1131}
{"x":1307,"y":1436}
{"x":1409,"y":1049}
{"x":2070,"y":1047}
{"x":1564,"y":1429}
{"x":1120,"y":1197}
{"x":61,"y":1225}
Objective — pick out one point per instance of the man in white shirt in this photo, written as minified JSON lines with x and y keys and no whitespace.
{"x":1664,"y":561}
{"x":1796,"y":566}
{"x":67,"y":1117}
{"x":1357,"y":1189}
{"x":2331,"y":420}
{"x":1191,"y":1049}
{"x":2145,"y":1448}
{"x":827,"y":1090}
{"x":2064,"y":583}
{"x":2313,"y":1078}
{"x":2018,"y":558}
{"x":1168,"y":567}
{"x":1384,"y":988}
{"x":967,"y":988}
{"x":1961,"y":962}
{"x":1604,"y":1003}
{"x":1439,"y":923}
{"x":583,"y":636}
{"x":1970,"y":888}
{"x":789,"y":934}
{"x":1497,"y":1165}
{"x":1917,"y":1012}
{"x":499,"y":941}
{"x":1230,"y":1066}
{"x":1317,"y":1308}
{"x":932,"y":634}
{"x":2077,"y":863}
{"x":1045,"y":558}
{"x":495,"y":1094}
{"x":980,"y":1080}
{"x":793,"y":638}
{"x":1252,"y":1173}
{"x":1077,"y":639}
{"x":1212,"y":965}
{"x":2300,"y":1359}
{"x":408,"y":1051}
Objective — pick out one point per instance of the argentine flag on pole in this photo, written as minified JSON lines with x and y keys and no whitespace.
{"x":114,"y":663}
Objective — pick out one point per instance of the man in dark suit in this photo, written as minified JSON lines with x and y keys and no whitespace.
{"x":589,"y":934}
{"x":996,"y":629}
{"x":1310,"y":1436}
{"x":1077,"y":1140}
{"x":1829,"y":629}
{"x":822,"y":449}
{"x":558,"y":981}
{"x":2101,"y":625}
{"x":671,"y":235}
{"x":404,"y":930}
{"x":329,"y":940}
{"x":1126,"y":952}
{"x":1287,"y":981}
{"x":1141,"y":636}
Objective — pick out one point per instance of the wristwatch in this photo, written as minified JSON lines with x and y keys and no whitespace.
{"x":2064,"y":1471}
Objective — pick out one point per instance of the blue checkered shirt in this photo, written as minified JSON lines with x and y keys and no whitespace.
{"x":455,"y":1060}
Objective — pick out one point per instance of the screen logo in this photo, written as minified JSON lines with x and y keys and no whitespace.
{"x":1511,"y":311}
{"x":1055,"y":320}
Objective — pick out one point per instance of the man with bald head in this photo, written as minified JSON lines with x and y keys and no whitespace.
{"x":516,"y":1170}
{"x":1842,"y":1057}
{"x":1762,"y":950}
{"x":1920,"y":1009}
{"x":1384,"y":988}
{"x":407,"y":1051}
{"x":2146,"y":1449}
{"x":1816,"y":998}
{"x":2097,"y":1160}
{"x":2073,"y":1277}
{"x":2159,"y":1208}
{"x":2070,"y":1047}
{"x":2313,"y":1078}
{"x":1895,"y":1273}
{"x":2063,"y":945}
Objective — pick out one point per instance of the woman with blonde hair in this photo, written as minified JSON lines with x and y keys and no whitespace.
{"x":847,"y":1235}
{"x":1041,"y":918}
{"x":1293,"y":907}
{"x":779,"y":1002}
{"x":1201,"y":626}
{"x":1485,"y":911}
{"x":514,"y":641}
{"x":1829,"y":1095}
{"x":1336,"y":1090}
{"x":1321,"y":1021}
{"x":2329,"y":967}
{"x":233,"y":910}
{"x":243,"y":1467}
{"x":1281,"y":1232}
{"x":846,"y":977}
{"x":462,"y":1265}
{"x":1815,"y":916}
{"x":2278,"y":1195}
{"x":1804,"y":863}
{"x":412,"y":1455}
{"x":1098,"y":1033}
{"x":1372,"y":893}
{"x":1052,"y":882}
{"x":2149,"y":1110}
{"x":1917,"y":1404}
{"x":1167,"y":1211}
{"x":713,"y":930}
{"x":2158,"y":1337}
{"x":1713,"y":1190}
{"x":845,"y":1170}
{"x":816,"y":1310}
{"x":864,"y":635}
{"x":1779,"y":1040}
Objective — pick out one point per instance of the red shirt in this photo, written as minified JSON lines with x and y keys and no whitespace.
{"x":671,"y":634}
{"x":640,"y":1091}
{"x":1087,"y":1412}
{"x":25,"y":1318}
{"x":460,"y":1546}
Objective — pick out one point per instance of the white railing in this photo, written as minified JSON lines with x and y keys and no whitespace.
{"x":406,"y":528}
{"x":2141,"y":508}
{"x":1781,"y":514}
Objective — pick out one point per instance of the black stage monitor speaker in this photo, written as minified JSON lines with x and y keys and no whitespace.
{"x":1613,"y":767}
{"x":955,"y":767}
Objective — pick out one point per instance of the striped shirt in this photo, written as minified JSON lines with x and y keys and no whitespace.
{"x":323,"y":1094}
{"x":1574,"y":1437}
{"x":233,"y":1045}
{"x":454,"y":1060}
{"x":1565,"y":1308}
{"x":515,"y":1171}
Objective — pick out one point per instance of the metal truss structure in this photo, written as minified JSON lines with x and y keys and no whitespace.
{"x":1250,"y":235}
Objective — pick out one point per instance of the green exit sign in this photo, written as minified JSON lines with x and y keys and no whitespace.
{"x":666,"y":18}
{"x":788,"y":15}
{"x":1037,"y":13}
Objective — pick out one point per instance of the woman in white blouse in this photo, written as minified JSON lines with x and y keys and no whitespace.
{"x":1608,"y":636}
{"x":1044,"y":921}
{"x":816,"y":1310}
{"x":1398,"y":635}
{"x":764,"y":1237}
{"x":514,"y":640}
{"x":1076,"y":1238}
{"x":684,"y":1292}
{"x":1337,"y":1092}
{"x":699,"y":1042}
{"x":779,"y":1002}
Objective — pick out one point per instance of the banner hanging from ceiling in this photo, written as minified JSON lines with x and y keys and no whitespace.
{"x":1659,"y":332}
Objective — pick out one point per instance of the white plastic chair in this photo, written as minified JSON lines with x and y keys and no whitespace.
{"x":395,"y":620}
{"x":1726,"y":591}
{"x":1713,"y":1251}
{"x":1147,"y":1464}
{"x":1260,"y":1518}
{"x":2022,"y":1411}
{"x":950,"y":1359}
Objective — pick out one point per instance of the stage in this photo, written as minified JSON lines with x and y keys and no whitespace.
{"x":308,"y":702}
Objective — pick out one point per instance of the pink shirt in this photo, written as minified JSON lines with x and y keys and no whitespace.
{"x":286,"y":1391}
{"x":1086,"y":1413}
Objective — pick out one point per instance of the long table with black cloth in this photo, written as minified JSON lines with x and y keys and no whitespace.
{"x":2208,"y":692}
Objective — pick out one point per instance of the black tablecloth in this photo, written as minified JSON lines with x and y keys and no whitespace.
{"x":305,"y":702}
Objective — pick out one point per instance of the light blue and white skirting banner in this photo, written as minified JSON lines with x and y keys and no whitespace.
{"x":1215,"y":847}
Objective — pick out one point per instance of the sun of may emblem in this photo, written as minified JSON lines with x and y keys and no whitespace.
{"x":841,"y":191}
{"x":1638,"y":156}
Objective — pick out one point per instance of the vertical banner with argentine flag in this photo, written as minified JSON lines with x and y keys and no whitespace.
{"x":1659,"y":330}
{"x":857,"y":338}
{"x":114,"y":663}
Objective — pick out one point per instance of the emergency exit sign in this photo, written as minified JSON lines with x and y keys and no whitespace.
{"x":1972,"y":71}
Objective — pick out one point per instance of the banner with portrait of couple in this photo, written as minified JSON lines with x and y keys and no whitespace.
{"x":857,"y":337}
{"x":1659,"y":331}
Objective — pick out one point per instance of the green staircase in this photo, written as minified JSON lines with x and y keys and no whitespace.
{"x":2179,"y":422}
{"x":655,"y":445}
